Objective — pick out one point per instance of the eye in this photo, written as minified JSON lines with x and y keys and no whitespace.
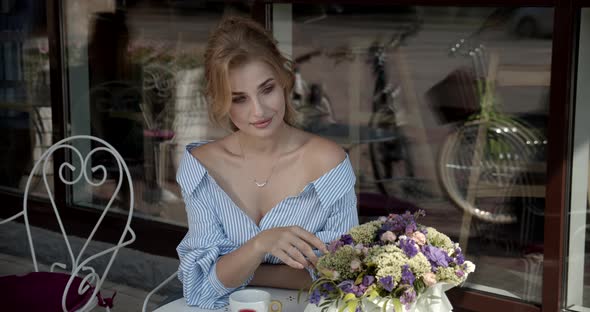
{"x":238,"y":99}
{"x":268,"y":89}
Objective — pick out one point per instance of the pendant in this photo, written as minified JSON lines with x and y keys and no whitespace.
{"x":260,"y":184}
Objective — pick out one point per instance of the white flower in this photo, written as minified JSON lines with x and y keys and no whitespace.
{"x":469,"y":267}
{"x":429,"y":279}
{"x":419,"y":238}
{"x":358,"y":250}
{"x":438,"y":239}
{"x":355,"y":264}
{"x":335,"y":275}
{"x":388,"y":237}
{"x":365,"y":251}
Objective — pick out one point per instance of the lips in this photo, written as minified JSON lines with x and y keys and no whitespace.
{"x":262,"y":124}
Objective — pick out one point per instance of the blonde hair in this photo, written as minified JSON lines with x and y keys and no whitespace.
{"x":235,"y":41}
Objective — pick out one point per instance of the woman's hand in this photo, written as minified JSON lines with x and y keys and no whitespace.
{"x":290,"y":244}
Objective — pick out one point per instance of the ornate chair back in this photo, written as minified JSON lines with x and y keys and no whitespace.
{"x":81,"y":274}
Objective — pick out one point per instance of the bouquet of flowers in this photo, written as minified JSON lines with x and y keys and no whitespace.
{"x":392,"y":263}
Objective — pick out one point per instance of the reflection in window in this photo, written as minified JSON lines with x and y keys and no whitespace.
{"x":135,"y":79}
{"x":25,"y":108}
{"x":440,"y":108}
{"x":443,"y":109}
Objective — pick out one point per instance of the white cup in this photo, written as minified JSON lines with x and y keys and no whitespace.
{"x":253,"y":300}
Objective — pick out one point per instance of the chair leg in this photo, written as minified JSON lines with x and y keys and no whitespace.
{"x":147,"y":298}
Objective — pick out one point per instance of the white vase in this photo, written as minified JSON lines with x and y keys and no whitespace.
{"x":433,"y":299}
{"x":366,"y":306}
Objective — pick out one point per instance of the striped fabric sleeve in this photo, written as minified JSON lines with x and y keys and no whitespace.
{"x":342,"y":218}
{"x":199,"y":252}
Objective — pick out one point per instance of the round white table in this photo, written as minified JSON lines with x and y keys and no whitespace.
{"x":287,"y":297}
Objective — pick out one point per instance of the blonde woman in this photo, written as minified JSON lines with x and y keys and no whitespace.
{"x":263,"y":201}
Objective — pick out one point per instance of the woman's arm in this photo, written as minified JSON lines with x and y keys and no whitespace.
{"x":234,"y":268}
{"x":292,"y":245}
{"x":281,"y":276}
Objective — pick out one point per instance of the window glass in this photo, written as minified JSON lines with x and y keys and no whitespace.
{"x":25,"y":107}
{"x":135,"y":80}
{"x":440,"y":108}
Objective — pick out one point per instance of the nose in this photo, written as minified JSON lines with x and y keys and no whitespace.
{"x":257,"y":107}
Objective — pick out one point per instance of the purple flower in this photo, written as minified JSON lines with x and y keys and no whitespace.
{"x":334,"y":245}
{"x":395,"y":225}
{"x":448,"y":258}
{"x":401,"y":224}
{"x":408,"y":217}
{"x":387,"y":283}
{"x":407,"y":275}
{"x":328,"y":287}
{"x":459,"y":258}
{"x":436,"y":256}
{"x":368,"y":280}
{"x":407,"y":245}
{"x":315,"y":297}
{"x":358,"y":309}
{"x":460,"y":273}
{"x":410,"y":228}
{"x":346,"y":286}
{"x":346,"y":239}
{"x":408,"y":297}
{"x":359,"y":290}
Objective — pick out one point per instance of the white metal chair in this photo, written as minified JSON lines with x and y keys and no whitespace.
{"x":149,"y":295}
{"x":79,"y":262}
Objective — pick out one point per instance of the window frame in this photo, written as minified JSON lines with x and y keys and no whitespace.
{"x":564,"y":45}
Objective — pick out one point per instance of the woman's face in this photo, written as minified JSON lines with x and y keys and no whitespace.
{"x":258,"y":102}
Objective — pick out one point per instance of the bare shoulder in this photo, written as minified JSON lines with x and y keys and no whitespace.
{"x":211,"y":153}
{"x":322,"y":155}
{"x":202,"y":152}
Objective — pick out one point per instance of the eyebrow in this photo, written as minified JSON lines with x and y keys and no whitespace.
{"x":260,"y":86}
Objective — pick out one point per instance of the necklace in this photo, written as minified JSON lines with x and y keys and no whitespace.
{"x":263,"y":183}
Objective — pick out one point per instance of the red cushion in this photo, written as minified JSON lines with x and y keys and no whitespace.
{"x":40,"y":291}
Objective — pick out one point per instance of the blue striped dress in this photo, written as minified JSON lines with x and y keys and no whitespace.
{"x":217,"y":226}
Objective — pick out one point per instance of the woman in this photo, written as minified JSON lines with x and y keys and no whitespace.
{"x":263,"y":201}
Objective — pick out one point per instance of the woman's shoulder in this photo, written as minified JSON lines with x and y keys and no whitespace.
{"x":210,"y":153}
{"x":202,"y":151}
{"x":330,"y":169}
{"x":322,"y":155}
{"x":200,"y":158}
